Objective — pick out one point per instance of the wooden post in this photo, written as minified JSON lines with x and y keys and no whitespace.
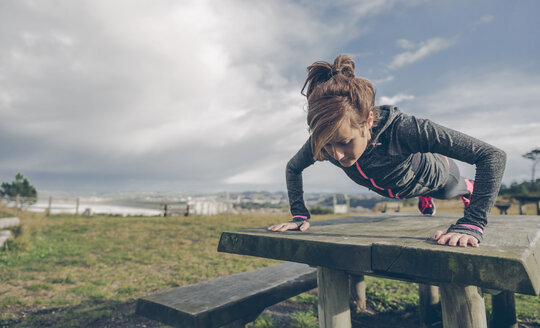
{"x":77,"y":206}
{"x":521,"y":212}
{"x":333,"y":289}
{"x":49,"y":207}
{"x":504,"y":310}
{"x":462,"y":306}
{"x":429,"y":304}
{"x":17,"y":202}
{"x":357,"y":286}
{"x":537,"y":207}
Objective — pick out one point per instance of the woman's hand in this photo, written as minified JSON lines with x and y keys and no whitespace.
{"x":453,"y":238}
{"x":290,"y":226}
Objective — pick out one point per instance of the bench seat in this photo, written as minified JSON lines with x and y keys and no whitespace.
{"x":229,"y":300}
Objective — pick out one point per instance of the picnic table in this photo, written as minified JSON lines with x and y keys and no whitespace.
{"x":400,"y":246}
{"x":523,"y":199}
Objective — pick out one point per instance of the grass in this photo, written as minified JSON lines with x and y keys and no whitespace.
{"x":69,"y":271}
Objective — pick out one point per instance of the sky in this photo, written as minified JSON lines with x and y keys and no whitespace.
{"x":204,"y":96}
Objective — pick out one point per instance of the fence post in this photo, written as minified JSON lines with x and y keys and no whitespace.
{"x":165,"y":210}
{"x":77,"y":206}
{"x":48,"y":212}
{"x":17,"y":201}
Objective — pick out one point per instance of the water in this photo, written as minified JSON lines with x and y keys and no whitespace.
{"x":95,"y":208}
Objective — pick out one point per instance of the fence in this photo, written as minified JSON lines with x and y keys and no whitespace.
{"x":19,"y":203}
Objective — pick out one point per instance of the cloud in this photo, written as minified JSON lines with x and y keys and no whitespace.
{"x":406,"y":44}
{"x":497,"y":107}
{"x":485,"y":20}
{"x":423,"y":49}
{"x":384,"y":80}
{"x":187,"y":93}
{"x":394,"y":100}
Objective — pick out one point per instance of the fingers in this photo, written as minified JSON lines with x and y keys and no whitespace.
{"x":453,"y":239}
{"x":285,"y":226}
{"x":304,"y":226}
{"x":438,"y":234}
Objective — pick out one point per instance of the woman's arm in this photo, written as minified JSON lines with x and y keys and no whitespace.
{"x":422,"y":135}
{"x":295,"y":166}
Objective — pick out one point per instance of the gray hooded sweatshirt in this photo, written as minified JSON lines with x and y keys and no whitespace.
{"x":406,"y":158}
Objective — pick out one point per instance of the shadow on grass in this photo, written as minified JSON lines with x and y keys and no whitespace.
{"x":91,"y":313}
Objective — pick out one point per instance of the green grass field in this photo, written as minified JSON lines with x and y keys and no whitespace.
{"x":68,"y":271}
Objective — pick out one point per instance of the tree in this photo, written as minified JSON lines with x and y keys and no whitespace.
{"x":533,"y":155}
{"x":21,"y":186}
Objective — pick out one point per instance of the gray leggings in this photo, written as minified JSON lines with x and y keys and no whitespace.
{"x":455,"y":186}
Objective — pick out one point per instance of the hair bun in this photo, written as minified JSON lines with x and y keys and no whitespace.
{"x":345,"y":65}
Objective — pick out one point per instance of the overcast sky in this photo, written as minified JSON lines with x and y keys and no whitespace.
{"x":205,"y":95}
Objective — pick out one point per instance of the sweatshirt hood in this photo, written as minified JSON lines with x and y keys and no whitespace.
{"x":386,"y":115}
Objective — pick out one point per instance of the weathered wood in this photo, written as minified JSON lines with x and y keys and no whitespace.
{"x":334,"y":311}
{"x":402,"y":246}
{"x":4,"y":236}
{"x":428,"y":304}
{"x":462,"y":306}
{"x":9,"y":222}
{"x":233,"y":299}
{"x":504,"y":310}
{"x":357,"y":287}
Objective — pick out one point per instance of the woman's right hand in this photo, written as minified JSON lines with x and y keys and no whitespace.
{"x":289,"y":226}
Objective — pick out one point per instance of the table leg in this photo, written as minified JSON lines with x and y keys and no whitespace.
{"x":334,"y":308}
{"x":429,"y":303}
{"x":462,"y":306}
{"x":504,"y":310}
{"x":358,"y":292}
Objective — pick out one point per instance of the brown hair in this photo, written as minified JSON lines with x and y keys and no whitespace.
{"x":334,"y":95}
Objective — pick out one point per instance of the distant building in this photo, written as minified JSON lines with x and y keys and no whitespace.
{"x":341,"y":208}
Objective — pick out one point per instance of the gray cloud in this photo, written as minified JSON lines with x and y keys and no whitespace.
{"x":184,"y":96}
{"x":108,"y":93}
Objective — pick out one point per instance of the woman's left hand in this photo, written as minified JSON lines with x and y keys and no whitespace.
{"x":454,"y":238}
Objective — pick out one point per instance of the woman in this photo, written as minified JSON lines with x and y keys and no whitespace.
{"x":394,"y":154}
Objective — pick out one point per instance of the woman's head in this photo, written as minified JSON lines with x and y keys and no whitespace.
{"x":338,"y":102}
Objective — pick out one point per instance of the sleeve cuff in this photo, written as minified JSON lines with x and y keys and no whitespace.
{"x":467,"y":229}
{"x":300,"y":218}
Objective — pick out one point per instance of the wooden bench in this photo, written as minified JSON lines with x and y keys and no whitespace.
{"x":229,"y":301}
{"x":503,"y":208}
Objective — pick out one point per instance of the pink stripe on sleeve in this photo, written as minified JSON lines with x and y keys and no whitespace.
{"x":300,"y":216}
{"x":472,"y":227}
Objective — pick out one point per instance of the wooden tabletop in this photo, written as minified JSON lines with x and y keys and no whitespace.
{"x":401,"y":246}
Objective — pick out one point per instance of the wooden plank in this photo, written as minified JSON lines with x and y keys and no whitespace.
{"x":225,"y":300}
{"x":428,"y":304}
{"x":504,"y":310}
{"x":462,"y":306}
{"x":504,"y":261}
{"x":334,"y":311}
{"x":9,"y":222}
{"x":357,"y":286}
{"x":402,"y":246}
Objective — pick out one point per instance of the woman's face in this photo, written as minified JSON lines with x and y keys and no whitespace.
{"x":349,"y":143}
